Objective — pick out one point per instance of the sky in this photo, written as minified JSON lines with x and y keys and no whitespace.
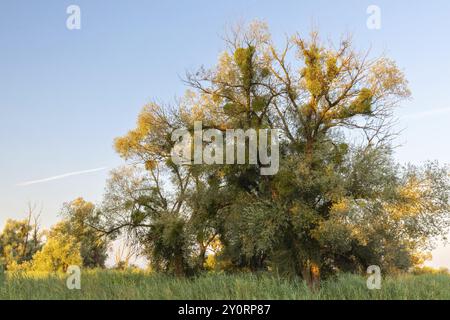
{"x":66,"y":94}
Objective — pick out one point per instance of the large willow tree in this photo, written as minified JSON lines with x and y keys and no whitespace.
{"x":338,"y":202}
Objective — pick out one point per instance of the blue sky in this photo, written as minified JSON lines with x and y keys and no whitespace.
{"x":65,"y":95}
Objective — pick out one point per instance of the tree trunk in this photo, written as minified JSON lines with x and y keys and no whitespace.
{"x":179,"y":266}
{"x":311,"y":275}
{"x":202,"y":257}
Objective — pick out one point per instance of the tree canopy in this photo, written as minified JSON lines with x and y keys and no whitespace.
{"x":338,"y":202}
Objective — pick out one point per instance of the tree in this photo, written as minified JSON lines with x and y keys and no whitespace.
{"x":59,"y":252}
{"x":78,"y":218}
{"x":70,"y":242}
{"x":135,"y":206}
{"x":20,"y":240}
{"x":338,"y":202}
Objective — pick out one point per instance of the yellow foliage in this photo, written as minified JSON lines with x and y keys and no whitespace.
{"x":410,"y":201}
{"x":210,"y":262}
{"x":57,"y":255}
{"x":341,"y":207}
{"x":419,"y":258}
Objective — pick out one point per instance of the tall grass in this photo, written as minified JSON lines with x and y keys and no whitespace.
{"x":108,"y":284}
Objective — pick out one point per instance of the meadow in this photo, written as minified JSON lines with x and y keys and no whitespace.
{"x":111,"y":285}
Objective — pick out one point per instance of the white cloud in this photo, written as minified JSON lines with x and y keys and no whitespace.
{"x":61,"y":176}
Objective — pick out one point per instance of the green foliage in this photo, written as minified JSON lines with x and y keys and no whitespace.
{"x":79,"y":217}
{"x":259,"y":104}
{"x":244,"y":60}
{"x":19,"y":241}
{"x":168,"y":245}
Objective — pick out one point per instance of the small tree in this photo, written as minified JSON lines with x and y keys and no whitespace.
{"x":78,"y":218}
{"x":59,"y":252}
{"x":19,"y":241}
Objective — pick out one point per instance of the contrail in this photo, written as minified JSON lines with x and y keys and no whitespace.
{"x":61,"y":176}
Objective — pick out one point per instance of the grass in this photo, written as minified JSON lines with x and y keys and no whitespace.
{"x":108,"y":284}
